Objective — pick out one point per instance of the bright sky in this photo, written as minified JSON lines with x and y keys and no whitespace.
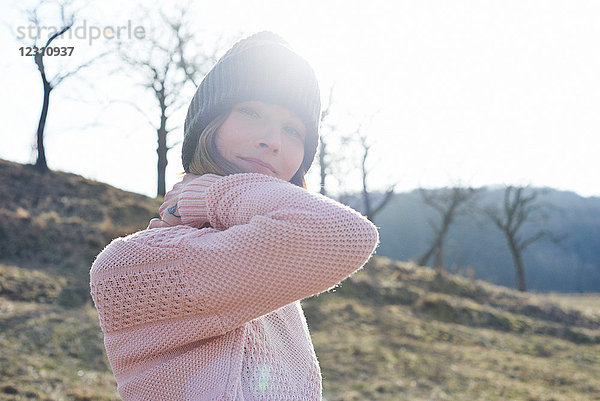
{"x":477,"y":92}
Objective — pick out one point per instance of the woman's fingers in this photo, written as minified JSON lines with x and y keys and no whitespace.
{"x":156,"y":223}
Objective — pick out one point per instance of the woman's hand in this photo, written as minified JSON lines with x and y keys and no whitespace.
{"x":168,"y":211}
{"x":185,"y":203}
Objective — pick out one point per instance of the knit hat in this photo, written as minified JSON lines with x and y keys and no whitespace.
{"x":260,"y":67}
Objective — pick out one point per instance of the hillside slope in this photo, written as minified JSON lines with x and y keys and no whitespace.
{"x":59,"y":222}
{"x":396,"y":331}
{"x":393,"y":331}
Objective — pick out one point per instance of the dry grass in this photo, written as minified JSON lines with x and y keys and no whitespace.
{"x":403,"y":340}
{"x":51,"y":352}
{"x":368,"y":348}
{"x":588,"y":303}
{"x":394,"y":331}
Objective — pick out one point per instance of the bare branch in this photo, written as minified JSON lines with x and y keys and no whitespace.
{"x":384,"y":201}
{"x":327,"y":110}
{"x":167,"y":68}
{"x":139,"y":110}
{"x":519,"y":207}
{"x":59,"y":78}
{"x":449,"y":203}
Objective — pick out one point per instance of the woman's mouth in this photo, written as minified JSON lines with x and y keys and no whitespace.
{"x":258,"y":166}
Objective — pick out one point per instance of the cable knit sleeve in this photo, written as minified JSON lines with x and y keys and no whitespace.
{"x":270,"y":243}
{"x":276,"y":243}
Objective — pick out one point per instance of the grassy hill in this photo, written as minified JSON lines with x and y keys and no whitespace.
{"x":393,"y":331}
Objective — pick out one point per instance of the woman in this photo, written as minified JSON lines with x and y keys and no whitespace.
{"x":204,"y":304}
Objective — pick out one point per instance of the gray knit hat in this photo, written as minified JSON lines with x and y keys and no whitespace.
{"x":261,"y":67}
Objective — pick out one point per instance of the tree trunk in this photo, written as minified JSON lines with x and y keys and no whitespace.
{"x":40,"y":163}
{"x":436,"y":251}
{"x":161,"y":150}
{"x":520,"y":273}
{"x":365,"y":192}
{"x":367,"y":203}
{"x":516,"y":254}
{"x":437,"y":260}
{"x":323,"y":166}
{"x":423,"y":260}
{"x":162,"y":143}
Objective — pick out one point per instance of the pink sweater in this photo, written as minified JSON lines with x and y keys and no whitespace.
{"x":214,"y":313}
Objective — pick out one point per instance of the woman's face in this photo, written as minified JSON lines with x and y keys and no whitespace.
{"x":262,"y":138}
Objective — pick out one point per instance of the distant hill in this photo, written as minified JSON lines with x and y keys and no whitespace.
{"x":473,"y":242}
{"x":393,"y":331}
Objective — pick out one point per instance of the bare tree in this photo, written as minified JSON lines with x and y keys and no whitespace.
{"x":520,"y":206}
{"x":324,"y":157}
{"x":50,"y":83}
{"x":357,"y":143}
{"x":449,"y":203}
{"x":336,"y":164}
{"x":168,"y":62}
{"x":370,"y":207}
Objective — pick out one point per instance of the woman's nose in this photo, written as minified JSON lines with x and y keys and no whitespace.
{"x":270,"y":139}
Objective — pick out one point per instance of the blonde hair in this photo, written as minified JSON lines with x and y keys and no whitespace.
{"x":208,"y":160}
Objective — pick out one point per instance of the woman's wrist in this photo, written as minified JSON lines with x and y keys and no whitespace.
{"x":192,"y":205}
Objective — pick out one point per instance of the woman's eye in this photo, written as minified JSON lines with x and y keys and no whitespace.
{"x":248,"y":111}
{"x":293,"y":131}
